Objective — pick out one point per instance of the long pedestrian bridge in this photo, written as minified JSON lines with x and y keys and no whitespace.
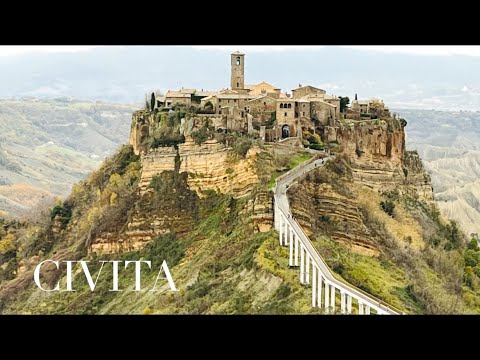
{"x":328,"y":291}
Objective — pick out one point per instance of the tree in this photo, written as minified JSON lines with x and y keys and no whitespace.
{"x":453,"y":233}
{"x":344,"y":101}
{"x":152,"y":102}
{"x":473,"y":245}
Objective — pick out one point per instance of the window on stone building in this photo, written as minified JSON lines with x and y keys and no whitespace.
{"x":219,"y":100}
{"x":264,"y":103}
{"x":238,"y":63}
{"x":238,"y":85}
{"x":289,"y":106}
{"x":303,"y":113}
{"x":285,"y":114}
{"x":220,"y":112}
{"x":234,"y":100}
{"x":281,"y":106}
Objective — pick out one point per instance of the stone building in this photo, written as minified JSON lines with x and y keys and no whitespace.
{"x":372,"y":107}
{"x":307,"y":108}
{"x":263,"y":89}
{"x":247,"y":108}
{"x":361,"y":106}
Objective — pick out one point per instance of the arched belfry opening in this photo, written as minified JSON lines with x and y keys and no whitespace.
{"x":237,"y":76}
{"x":285,"y":131}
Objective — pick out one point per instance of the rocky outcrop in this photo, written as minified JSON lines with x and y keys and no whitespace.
{"x":145,"y":123}
{"x":376,"y":154}
{"x":210,"y":166}
{"x":261,"y":210}
{"x":417,"y":181}
{"x":172,"y":207}
{"x":370,"y":154}
{"x":318,"y":207}
{"x":186,"y":173}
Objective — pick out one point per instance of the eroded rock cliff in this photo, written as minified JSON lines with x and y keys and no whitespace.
{"x":210,"y":166}
{"x":377,"y":156}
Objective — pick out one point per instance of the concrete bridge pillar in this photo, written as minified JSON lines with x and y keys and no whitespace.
{"x":349,"y":304}
{"x":327,"y":297}
{"x":332,"y":298}
{"x":314,"y":286}
{"x":302,"y":264}
{"x":319,"y":287}
{"x":290,"y":260}
{"x":307,"y":272}
{"x":342,"y":302}
{"x":281,"y":229}
{"x":296,"y":250}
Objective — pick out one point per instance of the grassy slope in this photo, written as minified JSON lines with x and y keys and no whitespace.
{"x":413,"y":273}
{"x":221,"y":266}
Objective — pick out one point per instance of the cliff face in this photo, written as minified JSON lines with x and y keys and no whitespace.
{"x":371,"y":162}
{"x":378,"y":158}
{"x":336,"y":214}
{"x":210,"y":166}
{"x":171,"y":182}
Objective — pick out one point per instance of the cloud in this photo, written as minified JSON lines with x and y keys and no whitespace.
{"x":20,"y":49}
{"x":257,"y":48}
{"x":443,"y":50}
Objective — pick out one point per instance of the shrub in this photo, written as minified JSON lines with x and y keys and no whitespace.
{"x":165,"y":247}
{"x":473,"y":245}
{"x":200,"y":136}
{"x":468,"y":276}
{"x":271,"y":122}
{"x":388,"y":206}
{"x":242,"y":145}
{"x":7,"y":244}
{"x":169,"y":140}
{"x":472,"y":258}
{"x":156,"y":183}
{"x":64,"y":213}
{"x":147,"y":311}
{"x":317,"y":146}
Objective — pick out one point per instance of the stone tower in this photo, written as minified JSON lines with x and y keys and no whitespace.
{"x":237,"y":81}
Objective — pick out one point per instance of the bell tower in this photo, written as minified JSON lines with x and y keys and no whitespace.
{"x":237,"y":81}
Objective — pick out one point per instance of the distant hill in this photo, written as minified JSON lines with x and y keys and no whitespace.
{"x":48,"y":145}
{"x":449,"y":144}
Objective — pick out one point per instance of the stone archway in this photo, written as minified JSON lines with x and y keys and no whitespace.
{"x":285,"y":131}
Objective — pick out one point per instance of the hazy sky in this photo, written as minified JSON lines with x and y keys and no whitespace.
{"x":428,"y":77}
{"x":406,"y":49}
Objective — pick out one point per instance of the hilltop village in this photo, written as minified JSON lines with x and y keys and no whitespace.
{"x":302,"y":117}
